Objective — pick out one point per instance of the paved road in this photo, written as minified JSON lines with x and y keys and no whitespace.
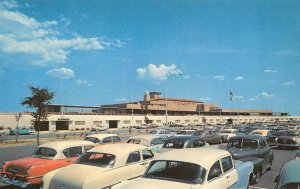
{"x":266,"y":181}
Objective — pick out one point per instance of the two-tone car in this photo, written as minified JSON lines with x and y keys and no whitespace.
{"x":101,"y":167}
{"x":194,"y":170}
{"x":103,"y":138}
{"x":153,"y":141}
{"x":289,"y":139}
{"x":289,"y":177}
{"x":252,"y":148}
{"x":47,"y":157}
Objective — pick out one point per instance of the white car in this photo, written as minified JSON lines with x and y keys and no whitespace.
{"x":103,"y":138}
{"x":193,"y":170}
{"x":228,"y":133}
{"x":101,"y":167}
{"x":152,"y":141}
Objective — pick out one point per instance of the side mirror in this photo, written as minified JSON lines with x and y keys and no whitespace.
{"x":277,"y":178}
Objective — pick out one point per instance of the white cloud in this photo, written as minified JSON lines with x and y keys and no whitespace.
{"x":84,"y":82}
{"x":61,"y":73}
{"x":271,"y":71}
{"x":289,"y":83}
{"x":204,"y":99}
{"x":219,"y":77}
{"x":186,"y":77}
{"x":40,"y":41}
{"x":160,"y":72}
{"x":262,"y":95}
{"x":121,"y":99}
{"x":238,"y":78}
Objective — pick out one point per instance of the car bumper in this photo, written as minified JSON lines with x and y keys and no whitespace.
{"x":21,"y":184}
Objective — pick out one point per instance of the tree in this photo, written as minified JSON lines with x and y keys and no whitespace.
{"x":39,"y":100}
{"x":17,"y":117}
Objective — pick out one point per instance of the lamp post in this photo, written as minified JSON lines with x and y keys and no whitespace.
{"x":168,"y":77}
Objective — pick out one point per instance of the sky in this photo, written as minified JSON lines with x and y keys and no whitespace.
{"x":100,"y":52}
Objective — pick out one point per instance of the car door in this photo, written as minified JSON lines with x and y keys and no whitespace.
{"x":215,"y":179}
{"x":136,"y":164}
{"x":228,"y":170}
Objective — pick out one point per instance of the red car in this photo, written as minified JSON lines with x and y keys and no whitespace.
{"x":29,"y":171}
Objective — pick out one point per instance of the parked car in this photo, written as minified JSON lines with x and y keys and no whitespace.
{"x":278,"y":131}
{"x":209,"y":136}
{"x":47,"y":157}
{"x":22,"y":131}
{"x":289,"y":139}
{"x":289,"y":177}
{"x":187,"y":132}
{"x":4,"y":132}
{"x":152,"y":141}
{"x":163,"y":133}
{"x":271,"y":139}
{"x":99,"y":128}
{"x":103,"y":138}
{"x":252,"y":148}
{"x":193,"y":170}
{"x":180,"y":142}
{"x":101,"y":167}
{"x":228,"y":133}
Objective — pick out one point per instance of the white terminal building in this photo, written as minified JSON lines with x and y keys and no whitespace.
{"x":152,"y":109}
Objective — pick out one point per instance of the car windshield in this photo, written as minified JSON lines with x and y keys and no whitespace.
{"x":43,"y":152}
{"x":92,"y":139}
{"x":175,"y":171}
{"x":291,"y":186}
{"x":153,"y":132}
{"x":173,"y":143}
{"x":97,"y":159}
{"x":242,"y":143}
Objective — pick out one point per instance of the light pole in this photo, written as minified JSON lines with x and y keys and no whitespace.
{"x":168,"y":77}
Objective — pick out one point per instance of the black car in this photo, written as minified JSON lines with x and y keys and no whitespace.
{"x":252,"y":148}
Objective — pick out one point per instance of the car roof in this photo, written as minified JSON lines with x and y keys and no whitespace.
{"x":120,"y":150}
{"x":60,"y":145}
{"x":145,"y":137}
{"x":197,"y":156}
{"x":250,"y":136}
{"x":184,"y":137}
{"x":288,"y":172}
{"x":101,"y":135}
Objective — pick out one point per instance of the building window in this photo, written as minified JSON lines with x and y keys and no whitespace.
{"x":196,"y":120}
{"x":158,"y":121}
{"x":126,"y":122}
{"x":177,"y":121}
{"x":138,"y":121}
{"x":97,"y":122}
{"x":79,"y":122}
{"x":187,"y":121}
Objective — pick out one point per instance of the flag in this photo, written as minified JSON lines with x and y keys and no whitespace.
{"x":231,"y":95}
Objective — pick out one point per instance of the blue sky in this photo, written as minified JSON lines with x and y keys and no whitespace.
{"x":105,"y":52}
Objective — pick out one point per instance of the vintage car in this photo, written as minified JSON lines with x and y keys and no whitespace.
{"x":163,"y":133}
{"x":193,"y":170}
{"x":289,"y":177}
{"x":47,"y":157}
{"x":22,"y":131}
{"x":99,"y":128}
{"x":209,"y":136}
{"x":185,"y":132}
{"x":4,"y":132}
{"x":180,"y":142}
{"x":99,"y":139}
{"x":271,"y":139}
{"x":289,"y":139}
{"x":101,"y":167}
{"x":228,"y":133}
{"x":152,"y":141}
{"x":252,"y":148}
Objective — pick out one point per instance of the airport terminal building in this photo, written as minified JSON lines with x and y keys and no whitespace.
{"x":152,"y":109}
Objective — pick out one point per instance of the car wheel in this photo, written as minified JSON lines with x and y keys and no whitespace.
{"x":257,"y":177}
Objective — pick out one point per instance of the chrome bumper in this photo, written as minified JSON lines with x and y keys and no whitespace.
{"x":6,"y":180}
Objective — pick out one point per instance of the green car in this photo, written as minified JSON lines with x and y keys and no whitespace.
{"x":22,"y":131}
{"x":289,"y":176}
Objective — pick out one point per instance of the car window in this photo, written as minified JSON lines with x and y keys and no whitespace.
{"x":43,"y":152}
{"x":147,"y":154}
{"x":97,"y":159}
{"x":116,"y":139}
{"x":134,"y":157}
{"x":88,"y":147}
{"x":226,"y":163}
{"x":249,"y":143}
{"x":198,"y":143}
{"x":156,"y":141}
{"x":215,"y":171}
{"x":73,"y":151}
{"x":107,"y":140}
{"x":92,"y":139}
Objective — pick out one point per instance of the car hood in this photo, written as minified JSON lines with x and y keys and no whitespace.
{"x":240,"y":153}
{"x":73,"y":176}
{"x":21,"y":166}
{"x":147,"y":183}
